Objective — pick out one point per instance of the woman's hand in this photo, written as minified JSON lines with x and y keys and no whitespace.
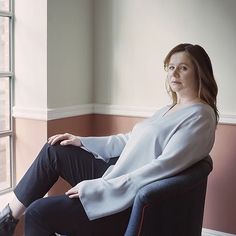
{"x":73,"y":192}
{"x":65,"y":139}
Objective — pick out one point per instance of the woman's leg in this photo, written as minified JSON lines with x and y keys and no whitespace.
{"x":73,"y":164}
{"x":59,"y":214}
{"x":63,"y":215}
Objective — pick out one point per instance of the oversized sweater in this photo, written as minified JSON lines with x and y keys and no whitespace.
{"x":159,"y":147}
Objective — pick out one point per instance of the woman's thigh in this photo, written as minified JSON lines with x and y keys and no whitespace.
{"x":75,"y":164}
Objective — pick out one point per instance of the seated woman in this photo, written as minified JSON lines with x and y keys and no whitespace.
{"x":106,"y":172}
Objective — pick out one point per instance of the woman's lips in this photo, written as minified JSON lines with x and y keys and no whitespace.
{"x":176,"y":82}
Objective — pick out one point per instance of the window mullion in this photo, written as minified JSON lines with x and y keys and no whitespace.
{"x":5,"y":133}
{"x":6,"y":14}
{"x":6,"y":74}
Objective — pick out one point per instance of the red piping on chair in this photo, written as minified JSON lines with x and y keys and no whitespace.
{"x":142,"y":218}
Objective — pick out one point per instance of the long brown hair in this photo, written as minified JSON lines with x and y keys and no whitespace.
{"x":207,"y":87}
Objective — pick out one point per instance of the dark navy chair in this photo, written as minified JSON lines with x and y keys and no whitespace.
{"x":173,"y":206}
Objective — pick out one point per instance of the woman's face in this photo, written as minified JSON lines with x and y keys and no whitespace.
{"x":181,"y":76}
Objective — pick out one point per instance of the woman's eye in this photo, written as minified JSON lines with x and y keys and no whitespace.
{"x":171,"y":68}
{"x":183,"y":68}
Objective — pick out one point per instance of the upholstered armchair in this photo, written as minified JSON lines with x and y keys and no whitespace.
{"x":172,"y":206}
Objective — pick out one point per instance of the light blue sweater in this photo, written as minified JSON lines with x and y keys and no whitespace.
{"x":158,"y":147}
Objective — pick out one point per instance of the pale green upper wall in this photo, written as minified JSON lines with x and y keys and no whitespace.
{"x":53,"y":55}
{"x":69,"y":52}
{"x":132,"y":38}
{"x":30,"y":54}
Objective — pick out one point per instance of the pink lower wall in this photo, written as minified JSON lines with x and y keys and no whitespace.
{"x":220,"y":208}
{"x":109,"y":124}
{"x":29,"y":137}
{"x":78,"y":125}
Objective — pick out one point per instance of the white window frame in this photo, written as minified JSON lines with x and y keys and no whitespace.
{"x":10,"y":74}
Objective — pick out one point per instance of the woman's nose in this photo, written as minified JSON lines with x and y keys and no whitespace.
{"x":175,"y":72}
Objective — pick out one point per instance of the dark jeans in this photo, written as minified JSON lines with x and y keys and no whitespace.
{"x":45,"y":216}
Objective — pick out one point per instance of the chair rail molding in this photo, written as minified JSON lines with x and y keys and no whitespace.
{"x":96,"y":108}
{"x":136,"y":111}
{"x":46,"y":114}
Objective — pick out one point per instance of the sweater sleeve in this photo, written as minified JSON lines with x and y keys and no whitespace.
{"x":105,"y":147}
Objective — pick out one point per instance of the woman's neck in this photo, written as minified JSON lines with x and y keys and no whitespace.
{"x":188,"y":100}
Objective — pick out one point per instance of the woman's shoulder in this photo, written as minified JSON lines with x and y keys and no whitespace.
{"x":193,"y":110}
{"x":202,"y":108}
{"x":202,"y":111}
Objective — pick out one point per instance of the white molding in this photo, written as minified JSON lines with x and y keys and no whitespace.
{"x":146,"y":112}
{"x":30,"y":113}
{"x":52,"y":113}
{"x":63,"y":112}
{"x":106,"y":109}
{"x":227,"y":119}
{"x":120,"y":110}
{"x":210,"y":232}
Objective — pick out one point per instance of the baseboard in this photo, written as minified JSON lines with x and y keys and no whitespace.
{"x":106,"y":109}
{"x":209,"y":232}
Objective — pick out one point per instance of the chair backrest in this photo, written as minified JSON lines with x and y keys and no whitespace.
{"x":173,"y":206}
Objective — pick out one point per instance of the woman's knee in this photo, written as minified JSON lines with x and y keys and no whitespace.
{"x":37,"y":219}
{"x":34,"y":210}
{"x":50,"y":153}
{"x":39,"y":211}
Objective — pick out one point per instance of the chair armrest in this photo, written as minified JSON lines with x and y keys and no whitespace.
{"x":175,"y":185}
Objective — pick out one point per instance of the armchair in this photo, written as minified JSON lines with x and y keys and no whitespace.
{"x":172,"y":206}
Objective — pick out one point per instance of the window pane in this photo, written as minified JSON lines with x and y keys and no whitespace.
{"x":4,"y":44}
{"x":4,"y":5}
{"x":5,"y":165}
{"x":4,"y":104}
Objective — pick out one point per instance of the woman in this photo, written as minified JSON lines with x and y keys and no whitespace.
{"x":173,"y":139}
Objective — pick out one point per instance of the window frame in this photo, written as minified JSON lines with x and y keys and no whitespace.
{"x":10,"y":74}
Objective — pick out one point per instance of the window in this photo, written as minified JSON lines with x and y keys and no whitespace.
{"x":6,"y":81}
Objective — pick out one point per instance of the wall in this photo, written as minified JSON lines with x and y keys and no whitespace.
{"x":69,"y":53}
{"x":132,"y":38}
{"x":30,"y":57}
{"x":220,"y":207}
{"x":53,"y":57}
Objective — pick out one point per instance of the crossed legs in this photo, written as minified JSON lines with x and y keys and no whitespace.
{"x":44,"y":216}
